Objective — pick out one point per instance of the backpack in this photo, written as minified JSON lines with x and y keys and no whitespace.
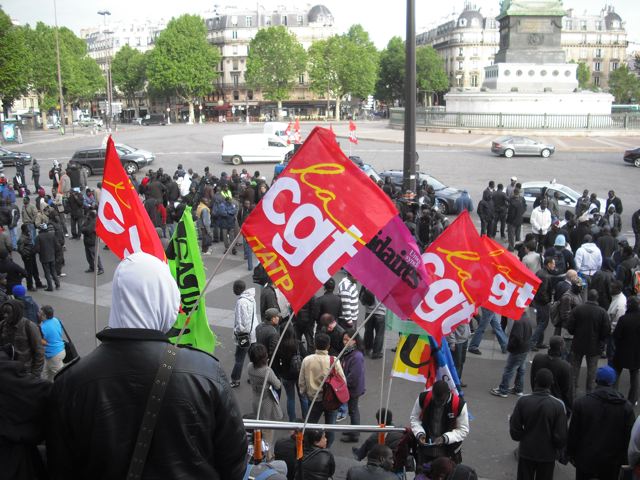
{"x":52,"y":173}
{"x":635,"y":279}
{"x":367,"y":298}
{"x":260,"y":275}
{"x":554,"y":313}
{"x":334,"y":390}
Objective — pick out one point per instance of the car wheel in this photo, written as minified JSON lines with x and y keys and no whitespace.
{"x":236,"y":159}
{"x":636,"y":162}
{"x":443,"y":207}
{"x":508,"y":153}
{"x":131,"y":168}
{"x":545,"y":153}
{"x":87,"y":170}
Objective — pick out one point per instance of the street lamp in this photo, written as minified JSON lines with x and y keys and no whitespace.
{"x":62,"y":121}
{"x":200,"y":117}
{"x":168,"y":115}
{"x":109,"y":39}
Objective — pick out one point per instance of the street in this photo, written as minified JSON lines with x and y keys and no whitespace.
{"x":488,"y":448}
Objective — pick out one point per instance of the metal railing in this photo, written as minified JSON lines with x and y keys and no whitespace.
{"x":512,"y":121}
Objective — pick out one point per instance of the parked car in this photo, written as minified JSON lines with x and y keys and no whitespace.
{"x":567,"y":201}
{"x":154,"y":119}
{"x":1,"y":167}
{"x":365,"y":167}
{"x":445,"y":196}
{"x":510,"y":146}
{"x":9,"y":157}
{"x":632,"y":156}
{"x":254,"y":147}
{"x":92,"y":159}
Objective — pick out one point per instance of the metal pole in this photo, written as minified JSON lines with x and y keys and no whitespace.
{"x":409,"y":164}
{"x":95,"y":288}
{"x":62,"y":119}
{"x":274,"y":425}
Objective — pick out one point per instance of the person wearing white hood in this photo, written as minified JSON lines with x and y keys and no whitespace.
{"x":98,"y":403}
{"x":244,"y":327}
{"x":588,"y":258}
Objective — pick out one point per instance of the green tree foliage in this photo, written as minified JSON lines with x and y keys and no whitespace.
{"x":344,"y":64}
{"x":183,"y":62}
{"x":430,"y":74}
{"x":128,"y":71}
{"x":584,"y":75}
{"x":390,"y":83}
{"x":275,"y":61}
{"x":624,"y":85}
{"x":14,"y":61}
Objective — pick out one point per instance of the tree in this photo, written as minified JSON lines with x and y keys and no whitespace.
{"x":636,"y":63}
{"x":390,"y":83}
{"x":349,"y":66}
{"x":275,"y":61}
{"x":624,"y":85}
{"x":14,"y":62}
{"x":584,"y":75}
{"x":183,"y":62}
{"x":41,"y":42}
{"x":430,"y":74}
{"x":128,"y":70}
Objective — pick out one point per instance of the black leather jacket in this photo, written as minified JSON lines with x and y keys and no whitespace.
{"x":97,"y":405}
{"x":317,"y":464}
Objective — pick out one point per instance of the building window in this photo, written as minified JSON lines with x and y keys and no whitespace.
{"x":460,"y":65}
{"x":614,"y":65}
{"x":474,"y":80}
{"x":235,"y":64}
{"x":249,"y":94}
{"x":584,"y":38}
{"x":460,"y":52}
{"x":583,"y":25}
{"x":598,"y":53}
{"x":301,"y":79}
{"x":267,"y":20}
{"x":599,"y":25}
{"x":459,"y":81}
{"x":596,"y":81}
{"x":284,"y":20}
{"x":234,"y":34}
{"x":235,"y":49}
{"x":234,"y":21}
{"x":568,"y":25}
{"x":236,"y":95}
{"x":248,"y":21}
{"x":300,"y":20}
{"x":596,"y":66}
{"x":599,"y":39}
{"x":236,"y":79}
{"x":462,"y":22}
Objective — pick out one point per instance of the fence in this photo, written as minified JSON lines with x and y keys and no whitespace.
{"x":511,"y":121}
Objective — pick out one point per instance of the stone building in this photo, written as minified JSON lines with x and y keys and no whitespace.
{"x":469,"y":41}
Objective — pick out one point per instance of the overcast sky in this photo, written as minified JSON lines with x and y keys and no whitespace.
{"x":377,"y":16}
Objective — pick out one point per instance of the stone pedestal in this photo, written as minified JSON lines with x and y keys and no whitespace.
{"x":531,"y":78}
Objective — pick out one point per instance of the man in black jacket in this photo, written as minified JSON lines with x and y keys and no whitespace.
{"x":539,"y":423}
{"x":329,"y":302}
{"x":45,"y":247}
{"x":562,"y":386}
{"x":89,"y":239}
{"x":378,"y":467}
{"x":589,"y":325}
{"x":518,"y":348}
{"x":267,"y":332}
{"x":542,"y":303}
{"x":76,"y":212}
{"x":515,"y":212}
{"x":98,"y":403}
{"x":600,"y":430}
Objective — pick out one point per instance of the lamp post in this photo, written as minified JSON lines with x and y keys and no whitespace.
{"x":409,"y":164}
{"x":107,"y":36}
{"x":168,"y":115}
{"x":200,"y":117}
{"x":60,"y":93}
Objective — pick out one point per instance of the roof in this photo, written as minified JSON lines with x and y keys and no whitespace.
{"x":468,"y":16}
{"x":320,"y":14}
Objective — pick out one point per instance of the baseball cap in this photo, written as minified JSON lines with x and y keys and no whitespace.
{"x":18,"y":291}
{"x":605,"y":376}
{"x":514,"y":179}
{"x":560,"y":241}
{"x":272,"y":312}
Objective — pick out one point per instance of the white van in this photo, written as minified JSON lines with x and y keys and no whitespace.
{"x":278,"y":129}
{"x":254,"y":147}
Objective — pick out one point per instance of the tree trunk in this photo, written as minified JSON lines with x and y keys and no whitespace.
{"x":43,"y":112}
{"x":328,"y":106}
{"x":337,"y":108}
{"x":192,"y":116}
{"x":69,"y":117}
{"x":279,"y":112}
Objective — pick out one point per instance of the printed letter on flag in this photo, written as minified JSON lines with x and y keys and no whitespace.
{"x":183,"y":254}
{"x":314,"y":218}
{"x":458,"y":280}
{"x":391,"y":267}
{"x":123,"y":224}
{"x":512,"y":285}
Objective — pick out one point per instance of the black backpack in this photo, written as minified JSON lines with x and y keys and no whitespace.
{"x":367,"y":298}
{"x":260,"y":275}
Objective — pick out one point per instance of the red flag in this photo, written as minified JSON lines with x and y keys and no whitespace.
{"x":458,"y":280}
{"x":314,"y":218}
{"x":513,"y":285}
{"x":331,"y":128}
{"x":123,"y":224}
{"x":352,"y":132}
{"x":297,"y":138}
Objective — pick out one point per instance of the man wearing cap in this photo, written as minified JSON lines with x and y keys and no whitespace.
{"x":511,"y":187}
{"x":29,"y":305}
{"x":563,"y":257}
{"x":267,"y":332}
{"x":600,"y":430}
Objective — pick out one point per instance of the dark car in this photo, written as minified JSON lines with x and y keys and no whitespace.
{"x":510,"y":146}
{"x":445,"y":196}
{"x":92,"y":159}
{"x":9,"y":158}
{"x":154,"y":119}
{"x":632,"y":156}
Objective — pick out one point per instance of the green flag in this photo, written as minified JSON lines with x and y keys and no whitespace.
{"x":405,"y":327}
{"x":183,"y":255}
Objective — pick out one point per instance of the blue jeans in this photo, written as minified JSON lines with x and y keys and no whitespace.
{"x":240,"y":354}
{"x":329,"y":417}
{"x":248,"y":253}
{"x":516,"y":364}
{"x":32,"y":232}
{"x":542,"y":320}
{"x":13,"y":234}
{"x":291,"y":387}
{"x":488,"y":318}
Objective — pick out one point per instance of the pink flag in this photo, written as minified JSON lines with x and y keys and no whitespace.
{"x":392,"y":268}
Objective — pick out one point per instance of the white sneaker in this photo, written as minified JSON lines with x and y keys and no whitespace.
{"x":62,"y":275}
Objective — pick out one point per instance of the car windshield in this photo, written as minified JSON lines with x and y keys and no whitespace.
{"x":4,"y":151}
{"x":370,"y":171}
{"x":121,"y":147}
{"x":436,"y":184}
{"x":570,"y":191}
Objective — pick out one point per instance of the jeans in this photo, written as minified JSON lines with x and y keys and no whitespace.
{"x":592,"y":366}
{"x":633,"y":385}
{"x":53,"y":365}
{"x":75,"y":222}
{"x":236,"y":373}
{"x":501,"y":218}
{"x":532,"y":470}
{"x":488,"y":318}
{"x":329,"y":416}
{"x":459,"y":357}
{"x":513,"y":234}
{"x":248,"y":253}
{"x":516,"y":364}
{"x":354,"y":415}
{"x":31,"y":266}
{"x":542,"y":320}
{"x":374,"y":334}
{"x":90,"y":253}
{"x":13,"y":234}
{"x":32,"y":232}
{"x":291,"y":387}
{"x":49,"y":269}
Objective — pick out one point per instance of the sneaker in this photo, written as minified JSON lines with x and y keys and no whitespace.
{"x":475,"y":351}
{"x":498,"y":393}
{"x":62,"y":274}
{"x":235,"y":384}
{"x":513,"y":391}
{"x":340,"y":418}
{"x":89,"y":270}
{"x":100,"y":272}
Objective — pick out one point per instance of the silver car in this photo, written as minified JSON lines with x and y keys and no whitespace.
{"x":568,"y":197}
{"x":510,"y":146}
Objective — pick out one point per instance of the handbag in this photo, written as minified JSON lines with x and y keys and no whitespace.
{"x":243,"y":339}
{"x":334,"y":390}
{"x":71,"y":353}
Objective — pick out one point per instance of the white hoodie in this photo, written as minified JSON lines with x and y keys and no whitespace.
{"x":588,"y":259}
{"x":246,"y":314}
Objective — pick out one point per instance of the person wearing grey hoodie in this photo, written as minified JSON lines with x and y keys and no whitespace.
{"x":244,"y":327}
{"x":588,"y":258}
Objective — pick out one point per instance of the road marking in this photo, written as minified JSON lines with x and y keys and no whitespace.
{"x":609,"y":142}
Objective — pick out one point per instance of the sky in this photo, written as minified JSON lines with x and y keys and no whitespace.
{"x":376,"y":16}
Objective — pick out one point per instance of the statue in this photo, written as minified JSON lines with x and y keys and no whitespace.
{"x":531,"y":7}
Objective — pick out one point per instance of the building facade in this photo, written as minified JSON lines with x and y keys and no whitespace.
{"x":468,"y":42}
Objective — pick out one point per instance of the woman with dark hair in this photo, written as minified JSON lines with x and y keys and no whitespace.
{"x":286,"y":365}
{"x":318,"y":462}
{"x":353,"y":366}
{"x":258,"y":371}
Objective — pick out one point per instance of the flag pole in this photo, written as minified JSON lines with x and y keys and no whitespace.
{"x":384,"y":357}
{"x":95,"y":289}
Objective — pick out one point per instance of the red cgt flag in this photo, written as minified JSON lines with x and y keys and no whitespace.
{"x":512,"y":285}
{"x":352,"y":132}
{"x":123,"y":224}
{"x":314,"y":218}
{"x":458,"y":279}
